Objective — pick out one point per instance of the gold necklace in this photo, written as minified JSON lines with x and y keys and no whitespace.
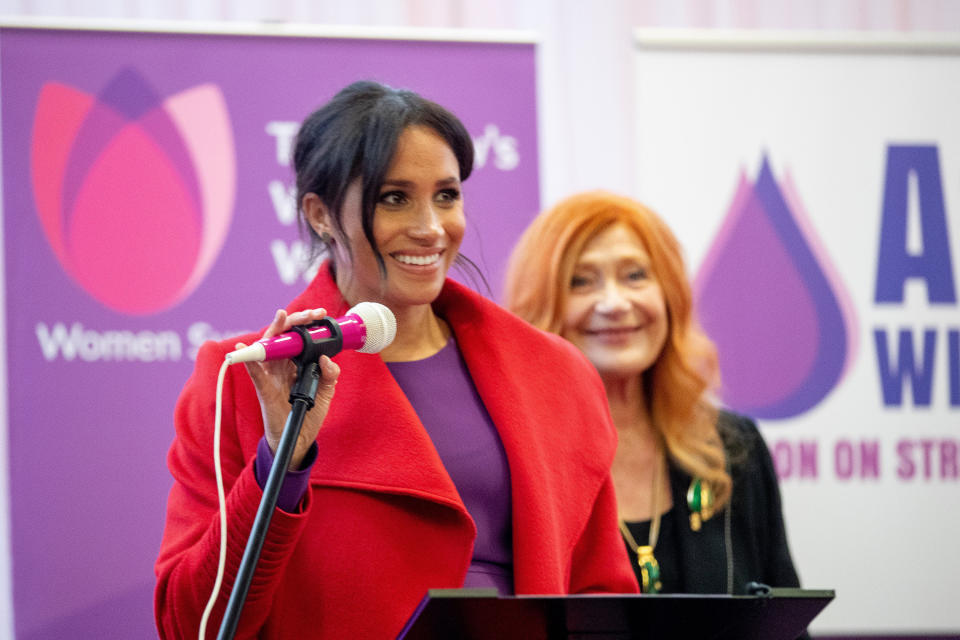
{"x":649,"y":567}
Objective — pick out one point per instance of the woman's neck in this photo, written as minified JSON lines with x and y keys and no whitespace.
{"x":628,"y":406}
{"x":420,"y":334}
{"x":638,"y":472}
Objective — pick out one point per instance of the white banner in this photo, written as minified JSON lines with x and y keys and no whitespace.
{"x":815,"y":186}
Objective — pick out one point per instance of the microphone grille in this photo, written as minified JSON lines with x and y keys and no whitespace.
{"x":380,"y":325}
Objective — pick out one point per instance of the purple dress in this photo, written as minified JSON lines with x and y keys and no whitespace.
{"x":442,"y":393}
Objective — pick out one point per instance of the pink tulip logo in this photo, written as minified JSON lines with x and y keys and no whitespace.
{"x":134,"y":193}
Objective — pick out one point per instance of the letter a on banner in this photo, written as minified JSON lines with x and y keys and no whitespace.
{"x":896,"y":263}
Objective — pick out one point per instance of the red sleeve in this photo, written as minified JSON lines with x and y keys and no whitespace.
{"x":187,"y":564}
{"x":599,"y":563}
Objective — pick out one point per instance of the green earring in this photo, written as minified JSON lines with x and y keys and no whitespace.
{"x":700,"y":503}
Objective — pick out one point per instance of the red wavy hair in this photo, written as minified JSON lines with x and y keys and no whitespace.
{"x":677,"y":386}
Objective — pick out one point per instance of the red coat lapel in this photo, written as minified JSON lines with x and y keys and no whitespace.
{"x":372,"y":439}
{"x":525,"y":377}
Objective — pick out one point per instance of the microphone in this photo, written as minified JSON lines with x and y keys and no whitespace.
{"x":368,"y":327}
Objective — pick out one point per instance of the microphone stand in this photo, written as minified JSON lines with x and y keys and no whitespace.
{"x":302,"y":396}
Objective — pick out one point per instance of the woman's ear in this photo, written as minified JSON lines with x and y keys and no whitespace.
{"x":318,"y":216}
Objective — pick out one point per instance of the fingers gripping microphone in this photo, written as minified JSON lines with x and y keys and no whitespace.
{"x":368,"y":327}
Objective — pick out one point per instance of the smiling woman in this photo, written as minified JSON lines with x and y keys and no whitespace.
{"x":418,"y":225}
{"x":697,"y":496}
{"x":616,"y":312}
{"x":432,"y":464}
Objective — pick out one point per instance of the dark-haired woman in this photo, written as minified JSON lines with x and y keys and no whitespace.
{"x":446,"y":460}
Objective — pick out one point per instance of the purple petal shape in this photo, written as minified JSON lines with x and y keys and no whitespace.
{"x":128,"y":98}
{"x":767,"y":303}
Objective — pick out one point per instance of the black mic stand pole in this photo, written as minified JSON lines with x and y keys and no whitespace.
{"x":302,"y":396}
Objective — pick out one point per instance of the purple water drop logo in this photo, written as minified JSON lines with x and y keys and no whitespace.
{"x":770,"y":299}
{"x":135,"y":193}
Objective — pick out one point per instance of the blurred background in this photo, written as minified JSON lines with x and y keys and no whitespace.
{"x":585,"y":63}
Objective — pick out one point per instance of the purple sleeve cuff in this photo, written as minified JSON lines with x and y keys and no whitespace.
{"x":294,"y":484}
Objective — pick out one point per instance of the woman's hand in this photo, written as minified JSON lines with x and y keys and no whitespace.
{"x":273,"y":380}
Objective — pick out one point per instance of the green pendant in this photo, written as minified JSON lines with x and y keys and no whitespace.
{"x":649,"y":570}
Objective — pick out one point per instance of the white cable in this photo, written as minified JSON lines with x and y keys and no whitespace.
{"x":222,"y":501}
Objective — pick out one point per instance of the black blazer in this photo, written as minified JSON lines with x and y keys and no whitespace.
{"x":746,"y":541}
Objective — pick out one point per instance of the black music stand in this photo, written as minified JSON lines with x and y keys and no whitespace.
{"x":481,"y":614}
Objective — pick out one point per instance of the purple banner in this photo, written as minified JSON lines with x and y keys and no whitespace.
{"x":146,"y":209}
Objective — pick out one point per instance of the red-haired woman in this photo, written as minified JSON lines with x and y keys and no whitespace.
{"x":697,"y":495}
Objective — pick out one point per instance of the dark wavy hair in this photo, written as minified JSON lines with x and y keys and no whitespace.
{"x":354,"y":135}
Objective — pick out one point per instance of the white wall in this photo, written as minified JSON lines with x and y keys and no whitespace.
{"x":586,"y":62}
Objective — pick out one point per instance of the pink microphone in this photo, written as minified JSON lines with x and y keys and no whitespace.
{"x":368,"y":327}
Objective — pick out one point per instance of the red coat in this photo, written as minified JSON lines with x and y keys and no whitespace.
{"x":382,"y":521}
